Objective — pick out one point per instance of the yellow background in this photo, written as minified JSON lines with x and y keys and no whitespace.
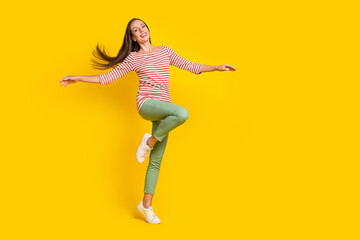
{"x":268,"y":152}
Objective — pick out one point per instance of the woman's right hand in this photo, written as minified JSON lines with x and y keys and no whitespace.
{"x":68,"y":79}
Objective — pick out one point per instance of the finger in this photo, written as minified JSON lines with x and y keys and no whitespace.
{"x":232,"y":67}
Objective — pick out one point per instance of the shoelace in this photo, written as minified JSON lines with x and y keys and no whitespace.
{"x":147,"y":146}
{"x":145,"y":153}
{"x":152,"y":214}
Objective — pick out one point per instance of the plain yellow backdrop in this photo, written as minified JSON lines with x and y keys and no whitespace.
{"x":269,"y":151}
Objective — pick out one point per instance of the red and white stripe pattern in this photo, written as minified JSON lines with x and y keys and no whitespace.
{"x":153,"y":72}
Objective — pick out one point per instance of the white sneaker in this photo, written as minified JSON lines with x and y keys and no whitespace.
{"x":143,"y":149}
{"x":148,"y":213}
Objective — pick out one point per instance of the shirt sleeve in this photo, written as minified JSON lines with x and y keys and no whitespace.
{"x":180,"y":62}
{"x":120,"y":70}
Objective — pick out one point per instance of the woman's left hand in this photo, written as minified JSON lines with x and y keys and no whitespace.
{"x":226,"y":67}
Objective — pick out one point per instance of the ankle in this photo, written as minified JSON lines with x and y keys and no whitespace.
{"x":146,"y":205}
{"x":149,"y":143}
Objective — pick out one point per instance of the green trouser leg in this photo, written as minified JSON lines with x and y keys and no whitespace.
{"x":156,"y":155}
{"x":165,"y":117}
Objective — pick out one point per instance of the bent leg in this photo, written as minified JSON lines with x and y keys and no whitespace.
{"x":169,"y":116}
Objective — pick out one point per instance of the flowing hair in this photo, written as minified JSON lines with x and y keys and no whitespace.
{"x":127,"y":47}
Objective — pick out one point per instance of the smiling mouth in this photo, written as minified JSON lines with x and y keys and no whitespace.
{"x":143,"y":35}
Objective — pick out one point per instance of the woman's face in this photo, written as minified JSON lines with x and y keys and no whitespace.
{"x":140,"y":31}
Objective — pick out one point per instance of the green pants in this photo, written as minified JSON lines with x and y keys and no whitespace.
{"x":165,"y":117}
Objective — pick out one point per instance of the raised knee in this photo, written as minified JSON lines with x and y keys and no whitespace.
{"x":183,"y":115}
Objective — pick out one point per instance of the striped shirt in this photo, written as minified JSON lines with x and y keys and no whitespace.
{"x":153,"y":72}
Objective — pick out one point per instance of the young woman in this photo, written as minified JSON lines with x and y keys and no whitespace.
{"x":151,"y":63}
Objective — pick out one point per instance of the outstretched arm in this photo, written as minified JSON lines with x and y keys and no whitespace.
{"x":74,"y":79}
{"x":210,"y":68}
{"x":117,"y":72}
{"x":180,"y":62}
{"x":197,"y":68}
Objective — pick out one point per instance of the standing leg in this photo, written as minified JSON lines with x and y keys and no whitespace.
{"x":165,"y":117}
{"x":152,"y":174}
